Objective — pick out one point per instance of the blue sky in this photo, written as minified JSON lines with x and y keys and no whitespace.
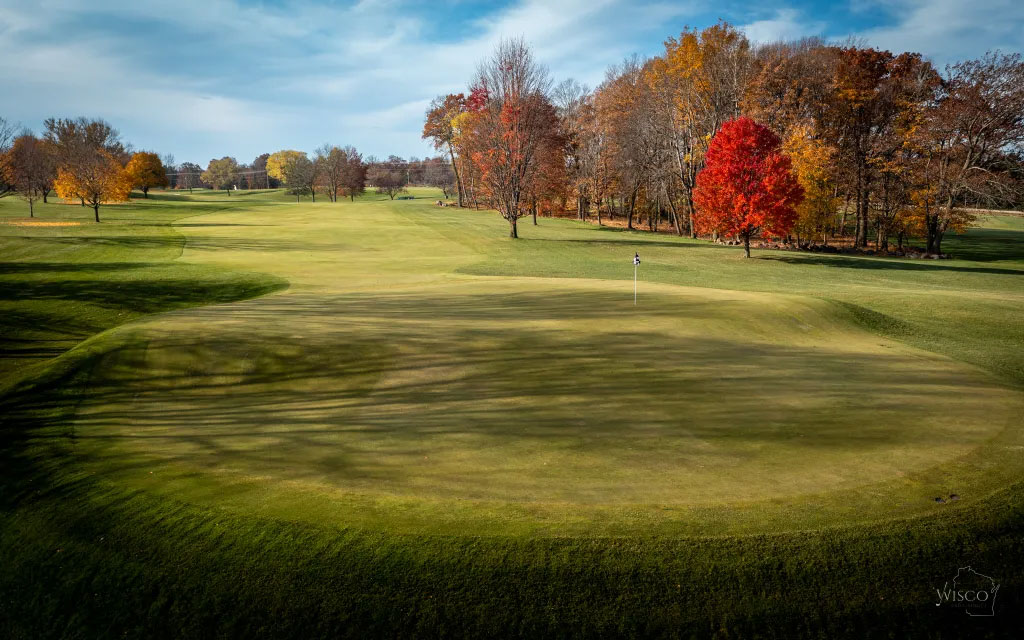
{"x":208,"y":78}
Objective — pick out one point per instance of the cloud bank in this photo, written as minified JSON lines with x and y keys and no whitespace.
{"x":207,"y":78}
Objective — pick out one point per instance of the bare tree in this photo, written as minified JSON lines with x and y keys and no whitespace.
{"x":354,"y":178}
{"x":575,"y":111}
{"x":168,"y":161}
{"x":389,"y":177}
{"x":331,"y":176}
{"x":440,"y":175}
{"x":978,"y":119}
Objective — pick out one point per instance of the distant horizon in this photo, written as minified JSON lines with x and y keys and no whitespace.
{"x":229,"y":78}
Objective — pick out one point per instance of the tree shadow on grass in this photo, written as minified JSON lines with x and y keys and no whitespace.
{"x":144,"y":296}
{"x":986,"y":245}
{"x":401,"y":372}
{"x":882,"y":264}
{"x":28,"y":268}
{"x":630,"y":240}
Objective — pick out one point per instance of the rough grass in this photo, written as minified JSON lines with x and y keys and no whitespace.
{"x":437,"y":430}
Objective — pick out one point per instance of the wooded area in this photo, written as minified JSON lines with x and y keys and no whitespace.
{"x":885,"y":147}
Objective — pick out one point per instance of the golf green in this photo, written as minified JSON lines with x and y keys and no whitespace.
{"x":394,"y":387}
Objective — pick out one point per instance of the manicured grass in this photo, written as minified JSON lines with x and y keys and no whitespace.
{"x":431,"y":428}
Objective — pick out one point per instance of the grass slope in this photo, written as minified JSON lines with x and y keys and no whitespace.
{"x":434,"y":429}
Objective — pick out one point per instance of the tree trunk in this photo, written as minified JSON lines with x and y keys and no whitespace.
{"x":862,"y":214}
{"x":746,"y":244}
{"x":533,"y":210}
{"x":96,"y":211}
{"x":455,"y":168}
{"x":228,"y":192}
{"x":46,"y":192}
{"x":513,"y":232}
{"x":689,"y":213}
{"x":632,"y":204}
{"x":145,"y":192}
{"x":31,"y":213}
{"x":675,"y":217}
{"x":846,"y":211}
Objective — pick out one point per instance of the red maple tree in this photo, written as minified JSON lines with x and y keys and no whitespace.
{"x":747,"y":185}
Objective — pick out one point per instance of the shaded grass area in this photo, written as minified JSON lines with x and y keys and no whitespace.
{"x":85,"y":558}
{"x":61,"y":285}
{"x":121,"y":564}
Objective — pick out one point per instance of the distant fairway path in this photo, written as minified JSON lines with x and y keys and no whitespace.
{"x":391,"y":387}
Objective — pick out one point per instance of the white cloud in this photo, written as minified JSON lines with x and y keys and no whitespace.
{"x":948,"y":30}
{"x":205,"y":78}
{"x":786,"y":24}
{"x":222,"y":77}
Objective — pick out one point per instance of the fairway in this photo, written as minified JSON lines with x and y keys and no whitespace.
{"x":394,"y":386}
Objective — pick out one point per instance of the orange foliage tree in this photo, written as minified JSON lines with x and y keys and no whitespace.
{"x":146,"y":171}
{"x":514,"y":128}
{"x":813,"y":164}
{"x":747,"y":185}
{"x":97,"y":178}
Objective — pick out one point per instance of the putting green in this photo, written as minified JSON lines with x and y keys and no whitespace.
{"x":388,"y":389}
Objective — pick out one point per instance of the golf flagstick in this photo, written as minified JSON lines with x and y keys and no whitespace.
{"x":636,"y":262}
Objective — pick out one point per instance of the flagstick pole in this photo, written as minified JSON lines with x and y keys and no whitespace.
{"x":634,"y":284}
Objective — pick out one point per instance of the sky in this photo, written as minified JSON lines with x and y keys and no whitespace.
{"x":202,"y":79}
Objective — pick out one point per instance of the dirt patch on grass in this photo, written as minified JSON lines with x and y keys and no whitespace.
{"x":29,"y":222}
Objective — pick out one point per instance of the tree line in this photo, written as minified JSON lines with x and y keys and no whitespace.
{"x":86,"y":161}
{"x":884,"y":146}
{"x":79,"y":159}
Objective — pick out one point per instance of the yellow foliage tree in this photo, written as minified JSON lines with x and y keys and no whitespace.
{"x":98,"y":178}
{"x":699,"y":80}
{"x":813,"y":161}
{"x":146,"y":171}
{"x":277,"y":162}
